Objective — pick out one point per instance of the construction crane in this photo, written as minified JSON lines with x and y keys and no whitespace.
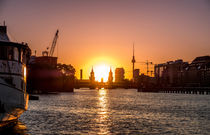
{"x":46,"y":53}
{"x":147,"y":63}
{"x":54,"y":44}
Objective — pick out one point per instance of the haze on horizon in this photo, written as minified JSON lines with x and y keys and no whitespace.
{"x":96,"y":31}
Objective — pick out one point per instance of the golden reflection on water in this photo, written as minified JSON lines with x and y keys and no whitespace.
{"x":18,"y":129}
{"x":102,"y":111}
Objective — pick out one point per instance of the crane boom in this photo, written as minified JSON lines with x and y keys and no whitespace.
{"x":53,"y":44}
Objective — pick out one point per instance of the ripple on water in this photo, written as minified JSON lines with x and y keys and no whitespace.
{"x":118,"y":111}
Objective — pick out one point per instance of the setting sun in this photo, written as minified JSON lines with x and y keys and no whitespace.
{"x":101,"y":66}
{"x":101,"y":71}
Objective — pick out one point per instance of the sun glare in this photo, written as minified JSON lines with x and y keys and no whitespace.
{"x":101,"y":71}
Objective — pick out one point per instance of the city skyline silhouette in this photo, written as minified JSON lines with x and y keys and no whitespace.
{"x":102,"y":32}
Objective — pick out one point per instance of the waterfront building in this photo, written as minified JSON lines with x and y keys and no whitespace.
{"x":170,"y":73}
{"x":198,"y":72}
{"x":179,"y":73}
{"x":136,"y":74}
{"x":119,"y":74}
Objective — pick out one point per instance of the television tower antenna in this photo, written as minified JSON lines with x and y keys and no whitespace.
{"x":133,"y":61}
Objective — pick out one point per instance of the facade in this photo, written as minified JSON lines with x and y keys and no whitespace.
{"x":119,"y":75}
{"x":178,"y":73}
{"x":170,"y":73}
{"x":136,"y":73}
{"x":43,"y":75}
{"x":198,"y":72}
{"x":45,"y":61}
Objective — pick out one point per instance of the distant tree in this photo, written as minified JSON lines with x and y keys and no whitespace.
{"x":67,"y":70}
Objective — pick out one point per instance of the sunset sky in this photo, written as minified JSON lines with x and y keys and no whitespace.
{"x":97,"y":32}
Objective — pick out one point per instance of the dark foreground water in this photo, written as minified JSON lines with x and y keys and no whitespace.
{"x":117,"y":112}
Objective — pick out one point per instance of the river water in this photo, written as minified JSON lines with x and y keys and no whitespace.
{"x":117,"y":111}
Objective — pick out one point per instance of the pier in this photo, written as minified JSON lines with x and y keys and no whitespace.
{"x":181,"y":90}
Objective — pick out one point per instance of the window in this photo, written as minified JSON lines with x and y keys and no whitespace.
{"x":24,"y":57}
{"x":21,"y":55}
{"x":10,"y":53}
{"x":16,"y":54}
{"x":3,"y":52}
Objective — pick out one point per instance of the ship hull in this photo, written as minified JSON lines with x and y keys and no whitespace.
{"x":13,"y":102}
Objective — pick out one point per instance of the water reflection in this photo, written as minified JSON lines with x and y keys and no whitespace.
{"x":102,"y":112}
{"x":18,"y":129}
{"x":116,"y":112}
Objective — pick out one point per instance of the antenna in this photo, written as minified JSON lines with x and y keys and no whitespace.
{"x":133,"y":49}
{"x":4,"y":23}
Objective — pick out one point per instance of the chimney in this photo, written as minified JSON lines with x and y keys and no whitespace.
{"x":80,"y":74}
{"x":3,"y":33}
{"x":3,"y":29}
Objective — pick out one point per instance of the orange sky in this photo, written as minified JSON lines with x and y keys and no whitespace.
{"x":94,"y":31}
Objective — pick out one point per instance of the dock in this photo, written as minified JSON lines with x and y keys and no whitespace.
{"x":182,"y":90}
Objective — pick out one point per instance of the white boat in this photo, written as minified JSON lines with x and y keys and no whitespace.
{"x":13,"y":95}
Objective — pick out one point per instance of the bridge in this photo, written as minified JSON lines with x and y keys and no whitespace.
{"x":94,"y":85}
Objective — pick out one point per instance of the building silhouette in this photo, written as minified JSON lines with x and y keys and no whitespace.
{"x":119,"y":74}
{"x":92,"y":76}
{"x":168,"y":74}
{"x":110,"y":78}
{"x":179,"y":73}
{"x":136,"y":75}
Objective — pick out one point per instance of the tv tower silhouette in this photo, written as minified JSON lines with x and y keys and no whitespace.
{"x":133,"y":61}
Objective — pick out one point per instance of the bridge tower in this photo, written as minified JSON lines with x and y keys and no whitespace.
{"x":92,"y":76}
{"x":110,"y":79}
